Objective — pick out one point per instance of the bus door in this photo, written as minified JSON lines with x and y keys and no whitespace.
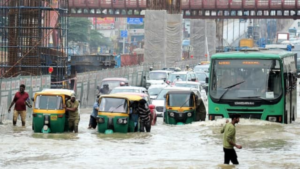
{"x":293,"y":96}
{"x":288,"y":96}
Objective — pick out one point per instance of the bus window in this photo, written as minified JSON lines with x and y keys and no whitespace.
{"x":257,"y":78}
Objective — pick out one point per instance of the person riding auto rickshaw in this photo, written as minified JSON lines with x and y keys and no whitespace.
{"x":183,"y":107}
{"x":117,"y":113}
{"x":49,"y":115}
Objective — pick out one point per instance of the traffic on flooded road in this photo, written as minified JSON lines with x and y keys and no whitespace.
{"x":174,"y":126}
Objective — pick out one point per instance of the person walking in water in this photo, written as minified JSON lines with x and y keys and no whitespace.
{"x":72,"y":107}
{"x":229,"y":141}
{"x":93,"y":122}
{"x":145,"y":116}
{"x":21,"y":100}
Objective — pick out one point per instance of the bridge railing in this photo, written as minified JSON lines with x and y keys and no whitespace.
{"x":191,"y":4}
{"x":107,"y":4}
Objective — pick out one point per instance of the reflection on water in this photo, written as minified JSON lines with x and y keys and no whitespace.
{"x":197,"y":145}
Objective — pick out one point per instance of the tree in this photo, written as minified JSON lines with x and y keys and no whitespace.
{"x":78,"y":29}
{"x":97,"y":39}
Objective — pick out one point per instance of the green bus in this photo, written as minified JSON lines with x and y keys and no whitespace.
{"x":257,"y":85}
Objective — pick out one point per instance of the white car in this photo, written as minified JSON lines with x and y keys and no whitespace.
{"x":154,"y":90}
{"x":181,"y":76}
{"x":129,"y":89}
{"x":157,"y":77}
{"x":159,"y":102}
{"x":195,"y":85}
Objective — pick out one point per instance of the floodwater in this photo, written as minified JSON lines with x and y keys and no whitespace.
{"x":198,"y":145}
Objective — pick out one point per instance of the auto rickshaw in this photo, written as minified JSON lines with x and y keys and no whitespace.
{"x":182,"y":107}
{"x":117,"y":113}
{"x":49,"y":116}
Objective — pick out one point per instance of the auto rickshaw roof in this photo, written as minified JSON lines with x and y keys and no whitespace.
{"x":121,"y":95}
{"x":56,"y":92}
{"x":181,"y":92}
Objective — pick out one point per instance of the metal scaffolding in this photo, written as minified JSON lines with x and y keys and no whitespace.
{"x":33,"y":37}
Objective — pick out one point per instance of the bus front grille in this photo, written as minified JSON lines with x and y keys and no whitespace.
{"x":248,"y":115}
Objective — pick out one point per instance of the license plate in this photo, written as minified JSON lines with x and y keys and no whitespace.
{"x":53,"y":117}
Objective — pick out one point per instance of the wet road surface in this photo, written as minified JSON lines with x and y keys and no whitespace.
{"x":197,"y":145}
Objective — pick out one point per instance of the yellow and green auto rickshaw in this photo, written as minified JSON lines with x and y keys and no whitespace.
{"x":49,"y":116}
{"x":182,"y":107}
{"x":117,"y":113}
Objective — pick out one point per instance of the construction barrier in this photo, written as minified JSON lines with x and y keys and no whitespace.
{"x":9,"y":86}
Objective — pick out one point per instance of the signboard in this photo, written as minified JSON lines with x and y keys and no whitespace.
{"x":103,"y":23}
{"x":135,"y":21}
{"x":103,"y":20}
{"x":123,"y":33}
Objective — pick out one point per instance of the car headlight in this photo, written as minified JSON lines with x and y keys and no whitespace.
{"x":273,"y":119}
{"x":189,"y":114}
{"x":172,"y":114}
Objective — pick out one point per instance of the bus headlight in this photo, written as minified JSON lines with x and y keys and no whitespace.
{"x":189,"y":114}
{"x":272,"y":119}
{"x":172,"y":114}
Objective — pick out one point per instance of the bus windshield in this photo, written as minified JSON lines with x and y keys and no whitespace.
{"x":259,"y":79}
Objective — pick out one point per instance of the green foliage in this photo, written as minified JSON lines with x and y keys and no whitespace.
{"x":97,"y":39}
{"x":78,"y":30}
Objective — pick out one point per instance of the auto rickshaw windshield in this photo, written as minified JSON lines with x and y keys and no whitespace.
{"x":113,"y":105}
{"x":180,"y":100}
{"x":48,"y":102}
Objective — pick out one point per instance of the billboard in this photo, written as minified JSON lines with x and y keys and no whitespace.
{"x":107,"y":20}
{"x":104,"y":23}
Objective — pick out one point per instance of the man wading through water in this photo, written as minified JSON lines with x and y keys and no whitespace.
{"x":229,"y":140}
{"x":145,"y":115}
{"x":72,"y":107}
{"x":21,"y":101}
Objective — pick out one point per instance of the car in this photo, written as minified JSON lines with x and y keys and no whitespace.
{"x":157,"y":77}
{"x":199,"y":89}
{"x":112,"y":83}
{"x":202,"y":79}
{"x":183,"y":76}
{"x":202,"y":68}
{"x":159,"y":102}
{"x":154,"y":90}
{"x":169,"y":68}
{"x":130,"y":89}
{"x":150,"y":105}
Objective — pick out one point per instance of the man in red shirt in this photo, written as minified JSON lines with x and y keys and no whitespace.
{"x":20,"y":101}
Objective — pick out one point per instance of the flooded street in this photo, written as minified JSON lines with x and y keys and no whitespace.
{"x":198,"y":145}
